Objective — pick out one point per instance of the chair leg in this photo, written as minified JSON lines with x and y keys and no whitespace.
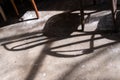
{"x":35,"y":8}
{"x":2,"y":13}
{"x":14,"y":6}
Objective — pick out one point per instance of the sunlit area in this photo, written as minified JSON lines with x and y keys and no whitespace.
{"x":59,"y":40}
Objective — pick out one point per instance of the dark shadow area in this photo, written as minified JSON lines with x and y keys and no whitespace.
{"x":62,"y":25}
{"x":72,"y":5}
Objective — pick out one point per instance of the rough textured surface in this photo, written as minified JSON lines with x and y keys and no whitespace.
{"x":26,"y":54}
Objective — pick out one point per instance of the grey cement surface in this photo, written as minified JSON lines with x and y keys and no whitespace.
{"x":26,"y":54}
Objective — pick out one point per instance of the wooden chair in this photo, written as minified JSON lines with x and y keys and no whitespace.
{"x":35,"y":8}
{"x":14,"y":6}
{"x":33,"y":3}
{"x":3,"y":14}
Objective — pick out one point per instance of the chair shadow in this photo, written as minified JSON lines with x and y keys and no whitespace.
{"x":105,"y":29}
{"x":60,"y":27}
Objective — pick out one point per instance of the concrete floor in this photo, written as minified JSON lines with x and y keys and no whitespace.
{"x":26,"y":54}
